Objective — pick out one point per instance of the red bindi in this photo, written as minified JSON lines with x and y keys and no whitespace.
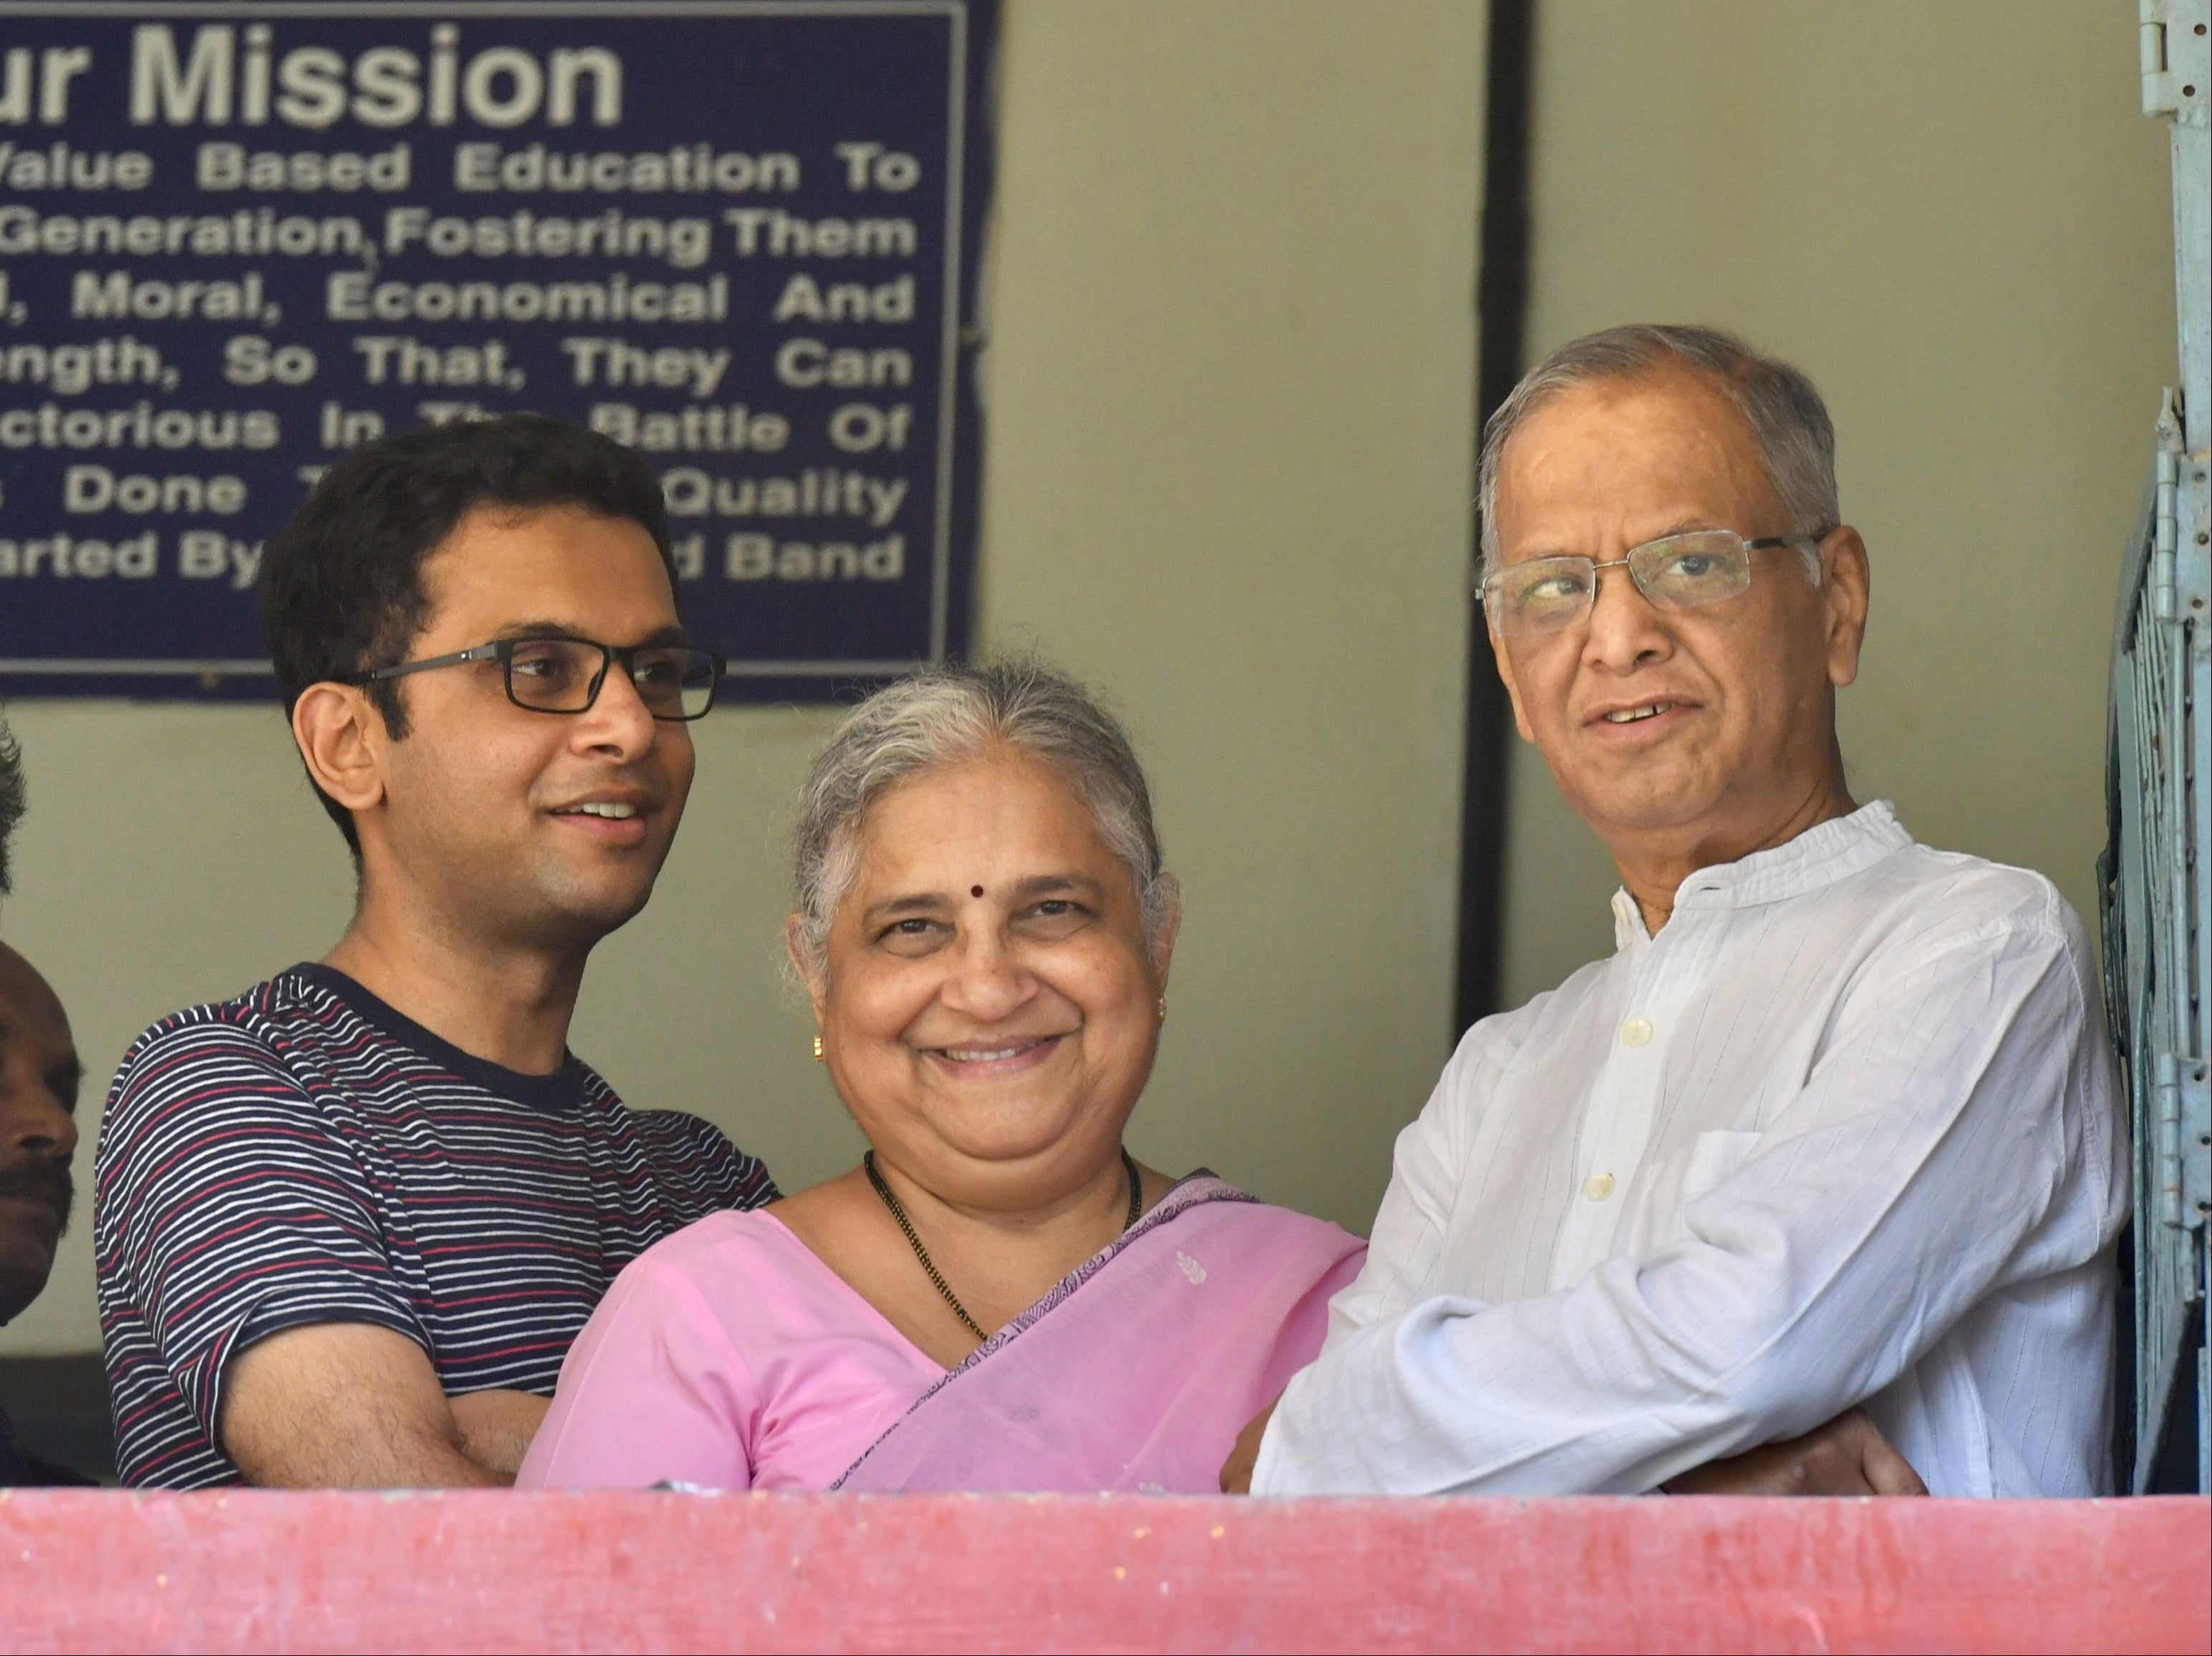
{"x":974,"y":891}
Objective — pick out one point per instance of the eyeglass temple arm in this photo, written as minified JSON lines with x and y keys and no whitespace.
{"x":481,"y":653}
{"x":1812,"y":538}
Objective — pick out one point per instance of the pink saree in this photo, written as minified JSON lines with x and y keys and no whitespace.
{"x":1137,"y":1371}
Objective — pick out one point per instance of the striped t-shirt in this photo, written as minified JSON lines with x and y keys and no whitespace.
{"x":304,"y":1153}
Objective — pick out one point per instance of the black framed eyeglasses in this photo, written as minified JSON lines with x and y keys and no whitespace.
{"x":1681,"y":572}
{"x":564,"y":675}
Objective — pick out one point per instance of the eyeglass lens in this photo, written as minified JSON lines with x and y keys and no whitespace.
{"x":564,"y":675}
{"x":1682,"y":572}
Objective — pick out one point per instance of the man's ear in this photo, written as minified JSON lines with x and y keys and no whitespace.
{"x":1845,"y":583}
{"x":811,"y":976}
{"x":342,"y":740}
{"x":1506,"y":672}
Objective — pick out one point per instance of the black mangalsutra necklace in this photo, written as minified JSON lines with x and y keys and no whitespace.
{"x":929,"y":1265}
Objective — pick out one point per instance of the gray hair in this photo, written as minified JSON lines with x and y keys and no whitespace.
{"x":943,"y":715}
{"x":1788,"y":420}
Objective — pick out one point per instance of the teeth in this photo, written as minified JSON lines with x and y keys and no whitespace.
{"x":1629,"y":715}
{"x":978,"y":1054}
{"x":612,"y":813}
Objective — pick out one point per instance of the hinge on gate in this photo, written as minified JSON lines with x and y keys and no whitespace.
{"x":2168,"y":479}
{"x":2172,"y":50}
{"x":2154,"y":86}
{"x":2183,"y":1087}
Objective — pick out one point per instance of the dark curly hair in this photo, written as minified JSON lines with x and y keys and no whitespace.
{"x":341,"y":583}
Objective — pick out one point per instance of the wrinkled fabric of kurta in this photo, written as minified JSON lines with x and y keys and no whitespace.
{"x":1846,"y":1130}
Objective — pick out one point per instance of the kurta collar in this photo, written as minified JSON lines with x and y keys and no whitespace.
{"x":1816,"y":859}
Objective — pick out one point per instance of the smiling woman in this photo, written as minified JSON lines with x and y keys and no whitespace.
{"x":999,"y":1297}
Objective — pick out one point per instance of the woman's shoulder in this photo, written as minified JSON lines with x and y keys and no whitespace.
{"x":1205,"y":1193}
{"x":754,"y":1277}
{"x":744,"y":1247}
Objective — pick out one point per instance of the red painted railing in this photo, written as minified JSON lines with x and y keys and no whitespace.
{"x":98,"y":1571}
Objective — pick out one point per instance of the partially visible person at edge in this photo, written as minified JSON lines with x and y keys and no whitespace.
{"x":349,"y":1221}
{"x":999,"y":1296}
{"x":39,"y":1075}
{"x":1835,"y":1127}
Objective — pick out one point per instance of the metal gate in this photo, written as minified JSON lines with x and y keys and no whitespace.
{"x":2156,"y":874}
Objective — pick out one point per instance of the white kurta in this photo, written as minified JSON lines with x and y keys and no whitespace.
{"x":1846,"y":1130}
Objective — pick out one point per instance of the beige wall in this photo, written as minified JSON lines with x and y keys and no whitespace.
{"x":1954,"y":219}
{"x":1227,"y":475}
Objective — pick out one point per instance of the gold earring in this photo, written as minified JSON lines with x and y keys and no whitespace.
{"x":817,"y":1049}
{"x":1163,"y":1009}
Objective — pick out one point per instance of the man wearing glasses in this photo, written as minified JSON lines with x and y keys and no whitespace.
{"x":1836,"y":1126}
{"x":348,"y":1222}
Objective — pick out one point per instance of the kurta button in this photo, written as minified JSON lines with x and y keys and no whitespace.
{"x":1598,"y":1186}
{"x":1635,"y":1032}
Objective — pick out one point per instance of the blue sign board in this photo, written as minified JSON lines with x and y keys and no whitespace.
{"x":740,"y":237}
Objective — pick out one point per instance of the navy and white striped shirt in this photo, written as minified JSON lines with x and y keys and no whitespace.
{"x":304,"y":1153}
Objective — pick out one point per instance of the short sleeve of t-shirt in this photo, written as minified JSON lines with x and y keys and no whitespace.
{"x":239,"y":1209}
{"x":698,"y":1166}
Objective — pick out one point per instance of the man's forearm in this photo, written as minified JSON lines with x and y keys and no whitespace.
{"x":492,"y":1432}
{"x":409,"y":1462}
{"x":357,"y":1406}
{"x":496,"y":1428}
{"x":1455,"y":1396}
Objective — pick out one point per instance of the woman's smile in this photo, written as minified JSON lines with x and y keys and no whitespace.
{"x":1000,"y":1055}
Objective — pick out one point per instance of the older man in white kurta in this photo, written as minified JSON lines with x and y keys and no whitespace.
{"x":1836,"y":1125}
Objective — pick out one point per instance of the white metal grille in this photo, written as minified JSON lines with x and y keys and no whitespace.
{"x":2157,"y":884}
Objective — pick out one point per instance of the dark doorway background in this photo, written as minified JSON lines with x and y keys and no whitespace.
{"x":1502,"y":306}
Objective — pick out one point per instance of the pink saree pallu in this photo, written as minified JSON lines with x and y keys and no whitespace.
{"x":1137,"y":1371}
